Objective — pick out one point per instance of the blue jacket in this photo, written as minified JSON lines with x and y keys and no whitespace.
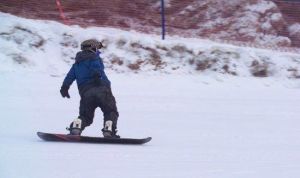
{"x":87,"y":68}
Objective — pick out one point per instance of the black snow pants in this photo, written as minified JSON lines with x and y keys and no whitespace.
{"x":98,"y":96}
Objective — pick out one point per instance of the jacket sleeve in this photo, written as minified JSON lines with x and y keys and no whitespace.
{"x":103,"y":75}
{"x":105,"y":78}
{"x":69,"y":79}
{"x":98,"y":68}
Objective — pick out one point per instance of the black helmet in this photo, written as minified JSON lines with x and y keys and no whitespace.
{"x":91,"y":44}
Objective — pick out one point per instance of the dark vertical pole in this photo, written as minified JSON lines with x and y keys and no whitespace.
{"x":163,"y":19}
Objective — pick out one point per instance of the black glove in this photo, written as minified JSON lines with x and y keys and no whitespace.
{"x":64,"y":91}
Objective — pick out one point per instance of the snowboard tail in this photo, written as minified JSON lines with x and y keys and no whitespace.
{"x":87,"y":139}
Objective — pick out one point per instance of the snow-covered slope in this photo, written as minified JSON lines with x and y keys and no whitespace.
{"x":205,"y":120}
{"x":50,"y":47}
{"x":200,"y":128}
{"x":253,"y":21}
{"x":256,"y":21}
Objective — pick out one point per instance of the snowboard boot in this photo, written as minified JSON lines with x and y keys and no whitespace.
{"x":109,"y":130}
{"x":75,"y":127}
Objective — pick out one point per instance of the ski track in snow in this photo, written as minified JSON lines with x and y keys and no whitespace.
{"x":201,"y":127}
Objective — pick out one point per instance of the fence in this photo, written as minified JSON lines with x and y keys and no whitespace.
{"x":276,"y":24}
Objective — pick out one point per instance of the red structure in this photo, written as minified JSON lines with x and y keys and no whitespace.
{"x":61,"y":12}
{"x":274,"y":27}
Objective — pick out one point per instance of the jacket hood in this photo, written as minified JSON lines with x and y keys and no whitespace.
{"x":85,"y":55}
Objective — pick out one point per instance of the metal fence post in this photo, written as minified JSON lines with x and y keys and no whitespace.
{"x":163,"y":19}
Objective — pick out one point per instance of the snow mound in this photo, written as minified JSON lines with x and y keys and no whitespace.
{"x":50,"y":47}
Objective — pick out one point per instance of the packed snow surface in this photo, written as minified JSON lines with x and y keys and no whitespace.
{"x":201,"y":127}
{"x":208,"y":123}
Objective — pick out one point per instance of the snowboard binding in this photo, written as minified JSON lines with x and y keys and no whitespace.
{"x":75,"y":127}
{"x":109,"y":131}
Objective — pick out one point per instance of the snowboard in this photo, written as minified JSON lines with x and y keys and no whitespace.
{"x":87,"y":139}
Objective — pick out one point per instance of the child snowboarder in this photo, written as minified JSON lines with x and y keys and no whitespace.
{"x":94,"y":89}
